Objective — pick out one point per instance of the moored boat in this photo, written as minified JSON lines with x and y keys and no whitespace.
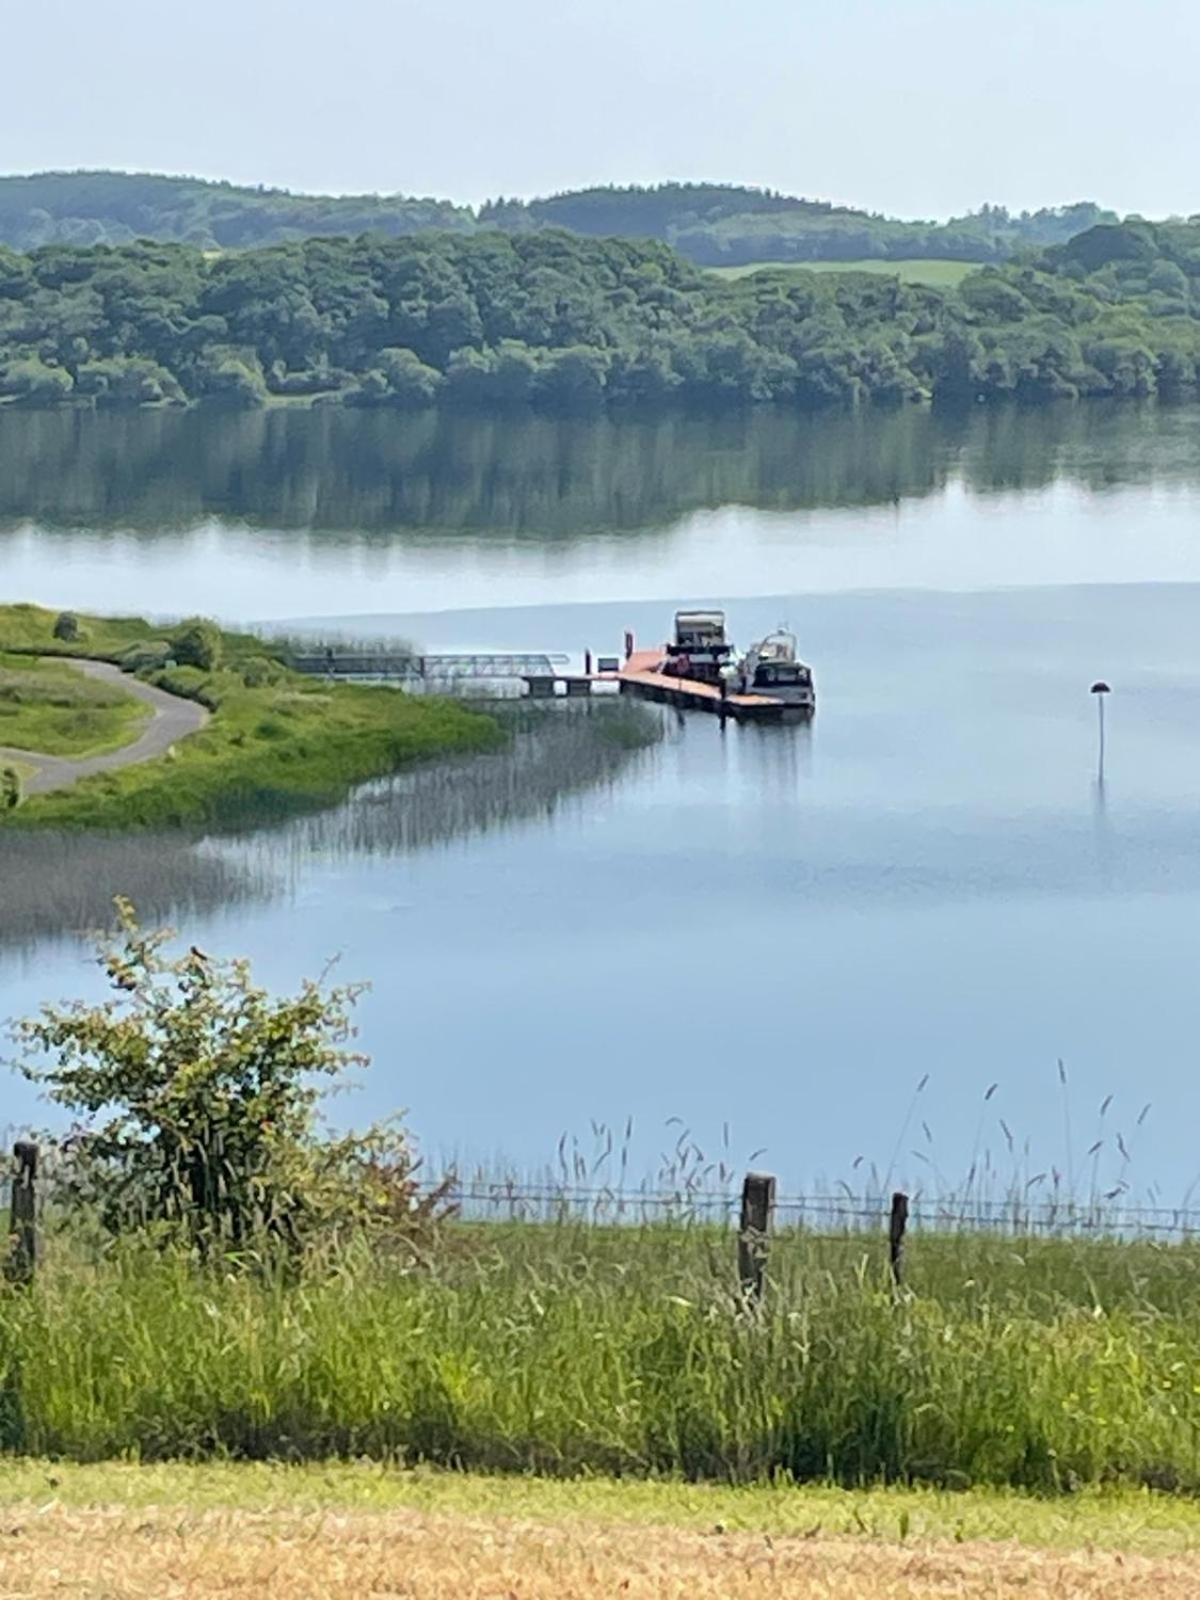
{"x":699,"y":650}
{"x":772,"y":669}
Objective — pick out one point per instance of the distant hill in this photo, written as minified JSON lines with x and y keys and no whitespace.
{"x":118,"y":207}
{"x":728,"y":225}
{"x":711,"y":224}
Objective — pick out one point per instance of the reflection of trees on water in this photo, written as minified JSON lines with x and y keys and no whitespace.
{"x":351,"y":477}
{"x":55,"y":884}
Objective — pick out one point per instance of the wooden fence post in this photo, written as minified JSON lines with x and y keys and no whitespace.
{"x":758,"y":1207}
{"x":896,"y":1230}
{"x":22,"y":1242}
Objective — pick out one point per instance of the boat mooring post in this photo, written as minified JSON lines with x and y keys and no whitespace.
{"x":1100,"y":689}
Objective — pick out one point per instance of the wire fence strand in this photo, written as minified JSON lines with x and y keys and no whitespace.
{"x":837,"y":1213}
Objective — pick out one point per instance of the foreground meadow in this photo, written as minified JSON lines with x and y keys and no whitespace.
{"x":341,"y":1531}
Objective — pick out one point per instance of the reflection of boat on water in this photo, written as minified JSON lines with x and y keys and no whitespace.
{"x":771,"y":668}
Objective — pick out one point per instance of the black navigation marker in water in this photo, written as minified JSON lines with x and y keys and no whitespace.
{"x":1100,"y":689}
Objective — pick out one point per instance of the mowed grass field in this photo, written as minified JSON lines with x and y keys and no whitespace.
{"x":50,"y":708}
{"x":939,"y":274}
{"x":333,"y":1531}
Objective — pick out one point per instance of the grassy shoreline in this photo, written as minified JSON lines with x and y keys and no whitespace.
{"x":276,"y":743}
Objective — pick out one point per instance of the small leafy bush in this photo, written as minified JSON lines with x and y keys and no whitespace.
{"x":191,"y":683}
{"x":198,"y":644}
{"x":258,"y":672}
{"x":150,"y":655}
{"x":195,"y":1094}
{"x":67,"y":629}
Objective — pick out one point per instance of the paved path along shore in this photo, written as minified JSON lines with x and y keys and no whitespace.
{"x":171,"y":719}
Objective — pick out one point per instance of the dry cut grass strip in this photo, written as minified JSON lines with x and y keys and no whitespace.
{"x":171,"y":1554}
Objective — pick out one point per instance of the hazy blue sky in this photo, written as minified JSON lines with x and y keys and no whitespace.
{"x":918,"y":107}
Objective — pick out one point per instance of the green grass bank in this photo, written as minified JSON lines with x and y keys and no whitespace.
{"x":48,"y":707}
{"x":277,"y":742}
{"x":559,"y":1349}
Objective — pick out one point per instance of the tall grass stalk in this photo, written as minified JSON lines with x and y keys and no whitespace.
{"x":566,"y":1348}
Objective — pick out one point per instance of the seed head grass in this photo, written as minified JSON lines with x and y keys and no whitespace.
{"x":564,"y":1349}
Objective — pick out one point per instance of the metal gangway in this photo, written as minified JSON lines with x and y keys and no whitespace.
{"x":373,"y":666}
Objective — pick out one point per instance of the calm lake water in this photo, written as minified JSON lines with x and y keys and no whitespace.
{"x":784,"y":930}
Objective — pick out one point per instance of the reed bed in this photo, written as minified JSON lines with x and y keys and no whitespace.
{"x":566,"y":1348}
{"x":62,"y":884}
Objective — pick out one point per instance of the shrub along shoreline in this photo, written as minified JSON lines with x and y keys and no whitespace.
{"x":277,"y":742}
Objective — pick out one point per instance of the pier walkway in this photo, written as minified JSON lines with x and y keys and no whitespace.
{"x":642,"y":674}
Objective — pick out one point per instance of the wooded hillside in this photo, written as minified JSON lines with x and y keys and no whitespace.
{"x":565,"y":323}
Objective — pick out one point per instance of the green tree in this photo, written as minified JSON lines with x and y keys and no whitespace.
{"x":572,"y":380}
{"x":499,"y":377}
{"x":66,"y":627}
{"x":410,"y":383}
{"x":198,"y":644}
{"x":226,"y":378}
{"x":33,"y":382}
{"x":195,"y":1091}
{"x":127,"y":381}
{"x":953,"y":362}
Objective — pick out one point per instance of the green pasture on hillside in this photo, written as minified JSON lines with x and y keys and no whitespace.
{"x":940,"y":274}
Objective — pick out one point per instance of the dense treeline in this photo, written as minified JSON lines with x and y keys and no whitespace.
{"x":569,"y":324}
{"x":726,"y":225}
{"x":711,"y":224}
